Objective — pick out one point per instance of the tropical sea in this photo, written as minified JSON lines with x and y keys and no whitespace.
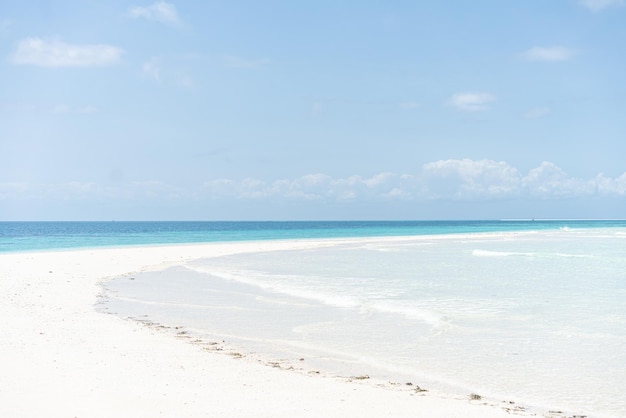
{"x":525,"y":311}
{"x":35,"y":236}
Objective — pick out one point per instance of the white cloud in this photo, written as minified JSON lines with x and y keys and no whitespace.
{"x":472,"y":102}
{"x":445,"y":179}
{"x":598,"y":5}
{"x":397,"y":193}
{"x":487,"y":179}
{"x":470,"y":179}
{"x":550,"y":181}
{"x":609,"y":186}
{"x":378,"y":179}
{"x":555,"y":53}
{"x":456,"y":180}
{"x":160,"y":11}
{"x":55,"y":53}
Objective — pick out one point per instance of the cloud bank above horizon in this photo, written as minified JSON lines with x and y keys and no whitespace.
{"x":457,"y":180}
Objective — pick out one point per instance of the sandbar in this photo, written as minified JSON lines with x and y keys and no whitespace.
{"x":61,"y":357}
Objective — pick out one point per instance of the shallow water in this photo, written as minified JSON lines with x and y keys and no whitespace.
{"x":534,"y":317}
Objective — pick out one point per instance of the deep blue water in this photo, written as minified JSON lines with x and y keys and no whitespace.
{"x":30,"y":236}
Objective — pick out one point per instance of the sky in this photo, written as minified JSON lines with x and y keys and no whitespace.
{"x":312,"y":110}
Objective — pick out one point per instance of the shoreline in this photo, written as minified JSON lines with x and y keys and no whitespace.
{"x":76,"y":361}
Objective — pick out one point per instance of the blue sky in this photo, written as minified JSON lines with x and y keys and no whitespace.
{"x":312,"y":110}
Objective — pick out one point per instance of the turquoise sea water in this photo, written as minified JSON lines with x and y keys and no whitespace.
{"x":29,"y":236}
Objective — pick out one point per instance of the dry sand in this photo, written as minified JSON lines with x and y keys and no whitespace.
{"x":61,"y":358}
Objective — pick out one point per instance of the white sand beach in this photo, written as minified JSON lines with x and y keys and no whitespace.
{"x":62,"y":358}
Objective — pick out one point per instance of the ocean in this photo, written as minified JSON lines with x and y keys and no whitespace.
{"x":531,"y":312}
{"x":35,"y":236}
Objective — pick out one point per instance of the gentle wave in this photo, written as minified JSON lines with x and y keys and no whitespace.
{"x":243,"y":276}
{"x":426,"y":316}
